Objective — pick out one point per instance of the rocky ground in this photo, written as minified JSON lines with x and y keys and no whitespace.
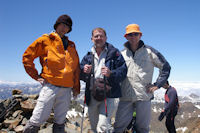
{"x":16,"y":116}
{"x":16,"y":111}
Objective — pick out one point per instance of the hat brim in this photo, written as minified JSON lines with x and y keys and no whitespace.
{"x":132,"y":32}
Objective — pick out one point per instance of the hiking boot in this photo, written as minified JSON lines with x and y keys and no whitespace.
{"x":58,"y":128}
{"x":90,"y":131}
{"x":30,"y":128}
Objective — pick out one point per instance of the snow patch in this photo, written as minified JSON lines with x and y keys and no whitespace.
{"x":182,"y":129}
{"x":197,"y":106}
{"x":182,"y":116}
{"x":155,"y":110}
{"x":71,"y":114}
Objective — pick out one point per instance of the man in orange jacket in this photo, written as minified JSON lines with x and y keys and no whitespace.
{"x":60,"y":75}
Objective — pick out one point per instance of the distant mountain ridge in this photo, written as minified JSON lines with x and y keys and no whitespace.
{"x":27,"y":88}
{"x":187,"y":91}
{"x":12,"y":83}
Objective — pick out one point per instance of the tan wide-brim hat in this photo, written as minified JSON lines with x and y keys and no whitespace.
{"x":132,"y":28}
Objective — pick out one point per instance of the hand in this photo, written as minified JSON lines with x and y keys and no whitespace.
{"x":42,"y":81}
{"x":75,"y":93}
{"x":105,"y":71}
{"x":152,"y":89}
{"x":87,"y":68}
{"x":161,"y":116}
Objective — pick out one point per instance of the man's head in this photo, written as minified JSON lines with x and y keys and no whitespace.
{"x":166,"y":85}
{"x":133,"y":33}
{"x":99,"y":37}
{"x":63,"y":24}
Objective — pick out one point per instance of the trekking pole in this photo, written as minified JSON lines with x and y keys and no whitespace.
{"x":83,"y":115}
{"x":105,"y":102}
{"x":10,"y":106}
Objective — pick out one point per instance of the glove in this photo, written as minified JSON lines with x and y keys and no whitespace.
{"x":161,"y":116}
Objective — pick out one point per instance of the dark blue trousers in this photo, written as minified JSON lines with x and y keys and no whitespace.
{"x":170,"y":122}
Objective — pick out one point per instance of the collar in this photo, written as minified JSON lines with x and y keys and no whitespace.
{"x":94,"y":50}
{"x":54,"y":35}
{"x":127,"y":45}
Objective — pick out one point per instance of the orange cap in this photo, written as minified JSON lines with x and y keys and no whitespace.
{"x":132,"y":28}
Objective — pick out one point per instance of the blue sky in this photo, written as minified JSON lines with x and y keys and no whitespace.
{"x":170,"y":26}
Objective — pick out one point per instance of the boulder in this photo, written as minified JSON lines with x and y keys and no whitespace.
{"x":19,"y":129}
{"x":28,"y":105}
{"x":16,"y":91}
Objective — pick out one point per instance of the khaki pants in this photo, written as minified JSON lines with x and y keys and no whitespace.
{"x":51,"y":97}
{"x":97,"y":115}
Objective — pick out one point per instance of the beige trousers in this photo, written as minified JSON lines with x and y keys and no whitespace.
{"x":97,"y":115}
{"x":51,"y":97}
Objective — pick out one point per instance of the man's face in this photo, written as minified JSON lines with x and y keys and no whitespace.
{"x":165,"y":86}
{"x":133,"y":38}
{"x":99,"y":38}
{"x":62,"y":29}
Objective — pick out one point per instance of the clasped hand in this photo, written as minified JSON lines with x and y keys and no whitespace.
{"x":104,"y":70}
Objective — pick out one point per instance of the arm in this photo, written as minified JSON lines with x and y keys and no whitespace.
{"x":161,"y":63}
{"x":85,"y":62}
{"x":76,"y":88}
{"x":35,"y":50}
{"x":119,"y":70}
{"x":86,"y":77}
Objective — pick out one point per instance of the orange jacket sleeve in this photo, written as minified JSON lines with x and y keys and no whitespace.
{"x":77,"y":78}
{"x":35,"y":50}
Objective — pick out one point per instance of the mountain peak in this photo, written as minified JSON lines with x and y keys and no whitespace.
{"x":195,"y":96}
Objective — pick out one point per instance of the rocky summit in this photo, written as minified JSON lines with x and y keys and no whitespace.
{"x":16,"y":111}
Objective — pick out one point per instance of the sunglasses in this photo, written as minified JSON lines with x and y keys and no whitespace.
{"x":132,"y":34}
